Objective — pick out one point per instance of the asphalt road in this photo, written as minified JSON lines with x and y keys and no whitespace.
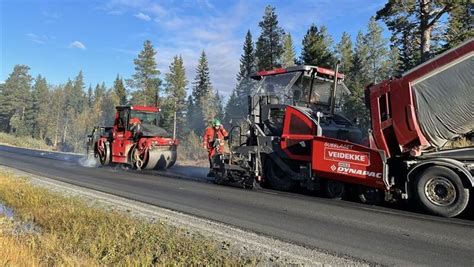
{"x":374,"y":234}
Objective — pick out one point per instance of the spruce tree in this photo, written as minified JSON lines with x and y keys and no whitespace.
{"x":354,"y":105}
{"x":77,"y":97}
{"x":269,"y":44}
{"x":3,"y":119}
{"x":345,"y":54}
{"x":39,"y":109}
{"x":237,"y":104}
{"x":120,"y":91}
{"x":289,"y":55}
{"x":202,"y":97}
{"x":317,"y":48}
{"x":16,"y":100}
{"x":90,"y":96}
{"x":99,"y":92}
{"x":175,"y":103}
{"x":378,"y":53}
{"x":145,"y":79}
{"x":219,"y":106}
{"x":247,"y":60}
{"x":55,"y":122}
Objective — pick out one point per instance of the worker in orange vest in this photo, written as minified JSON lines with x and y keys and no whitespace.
{"x":213,"y":141}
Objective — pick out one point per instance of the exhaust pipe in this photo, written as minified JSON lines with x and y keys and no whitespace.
{"x":334,"y":90}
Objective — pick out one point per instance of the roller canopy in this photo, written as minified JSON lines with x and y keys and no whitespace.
{"x":445,"y":101}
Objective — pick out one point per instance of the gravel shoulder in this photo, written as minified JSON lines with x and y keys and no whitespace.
{"x":238,"y":241}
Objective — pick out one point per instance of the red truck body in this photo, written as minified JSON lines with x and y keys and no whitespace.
{"x":395,"y":122}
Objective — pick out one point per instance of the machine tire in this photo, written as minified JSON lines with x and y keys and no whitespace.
{"x":334,"y":189}
{"x":440,"y":191}
{"x":370,"y":196}
{"x":276,"y":178}
{"x":106,"y":159}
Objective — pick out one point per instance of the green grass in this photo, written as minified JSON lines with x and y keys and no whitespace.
{"x":23,"y":141}
{"x":73,"y":233}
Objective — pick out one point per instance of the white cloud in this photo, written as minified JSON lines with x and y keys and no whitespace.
{"x":39,"y":39}
{"x":117,"y":7}
{"x":142,"y":16}
{"x":78,"y":45}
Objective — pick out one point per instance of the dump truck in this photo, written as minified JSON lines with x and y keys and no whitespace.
{"x":417,"y":149}
{"x":135,"y":139}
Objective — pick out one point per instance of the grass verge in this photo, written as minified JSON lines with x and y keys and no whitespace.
{"x":72,"y":232}
{"x":23,"y":141}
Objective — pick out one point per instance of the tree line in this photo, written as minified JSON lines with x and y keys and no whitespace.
{"x":62,"y":115}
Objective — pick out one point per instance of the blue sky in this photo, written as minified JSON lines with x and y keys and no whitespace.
{"x":57,"y":38}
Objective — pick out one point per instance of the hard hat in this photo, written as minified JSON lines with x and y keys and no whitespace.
{"x":216,"y":122}
{"x":134,"y":121}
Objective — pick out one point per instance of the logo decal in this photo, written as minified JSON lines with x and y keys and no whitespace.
{"x":350,"y":156}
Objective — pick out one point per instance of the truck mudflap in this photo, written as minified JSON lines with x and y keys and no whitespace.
{"x":349,"y":162}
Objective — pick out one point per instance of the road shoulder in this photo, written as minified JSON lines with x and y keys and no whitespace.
{"x":236,"y":240}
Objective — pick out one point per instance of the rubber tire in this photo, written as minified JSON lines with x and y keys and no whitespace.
{"x":108,"y":156}
{"x":370,"y":196}
{"x":462,"y":193}
{"x":332,"y":194}
{"x":275,"y":182}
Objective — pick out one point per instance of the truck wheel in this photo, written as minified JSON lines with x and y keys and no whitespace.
{"x":105,"y":157}
{"x":277,"y":179}
{"x":440,"y":191}
{"x":334,"y":189}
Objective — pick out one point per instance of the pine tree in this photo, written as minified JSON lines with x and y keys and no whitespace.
{"x":460,"y":24}
{"x":269,"y":44}
{"x":415,"y":20}
{"x":175,"y":103}
{"x":145,"y":79}
{"x":202,"y":97}
{"x":405,"y":43}
{"x":120,"y":91}
{"x":16,"y":100}
{"x":317,"y":48}
{"x":289,"y":55}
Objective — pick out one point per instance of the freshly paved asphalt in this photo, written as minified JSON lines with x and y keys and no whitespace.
{"x":374,"y":234}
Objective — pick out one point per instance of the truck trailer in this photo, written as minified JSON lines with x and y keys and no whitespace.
{"x":294,"y":135}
